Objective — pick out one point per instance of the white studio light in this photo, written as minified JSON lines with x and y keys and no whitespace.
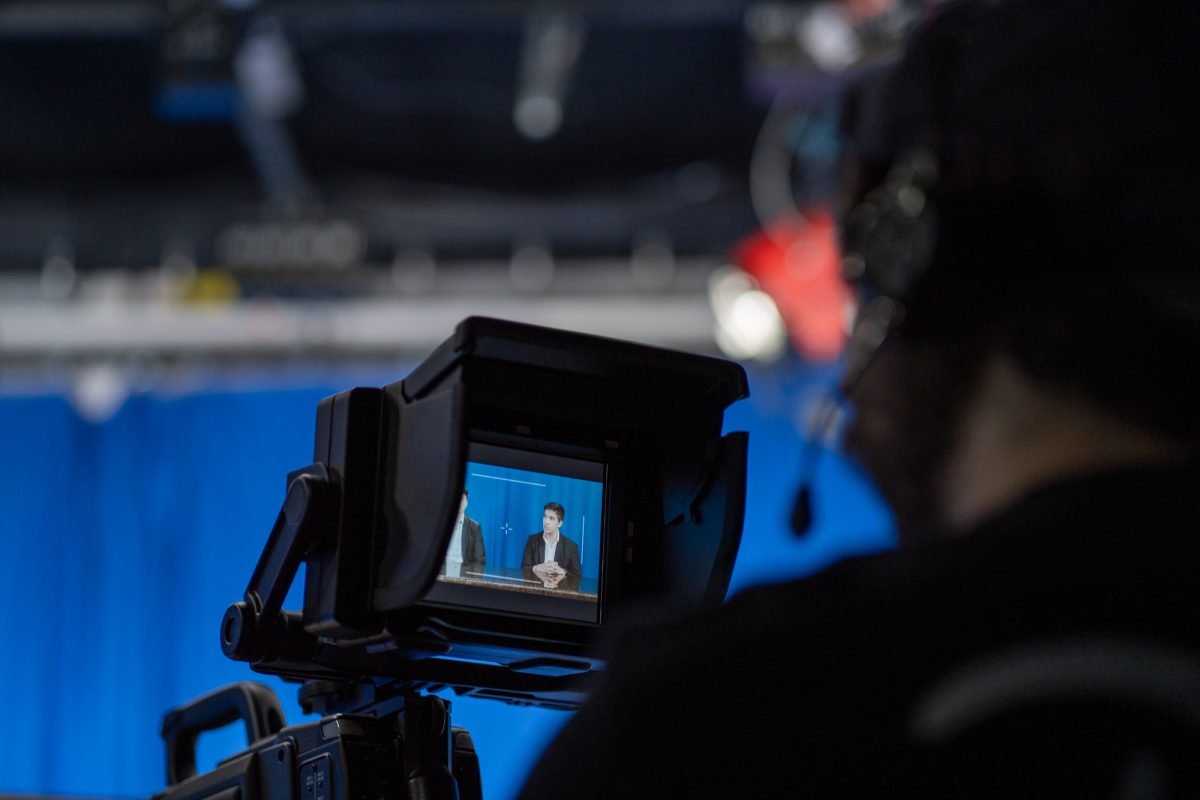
{"x":98,"y":392}
{"x":748,"y":323}
{"x":827,"y":34}
{"x":755,"y":324}
{"x":537,"y":117}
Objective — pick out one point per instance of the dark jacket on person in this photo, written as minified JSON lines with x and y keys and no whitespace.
{"x":472,"y":543}
{"x":810,"y":688}
{"x":566,"y":554}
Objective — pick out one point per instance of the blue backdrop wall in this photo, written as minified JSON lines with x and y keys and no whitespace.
{"x":125,"y":540}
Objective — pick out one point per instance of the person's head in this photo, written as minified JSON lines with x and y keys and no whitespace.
{"x":552,"y":518}
{"x":462,"y":506}
{"x":1026,"y":185}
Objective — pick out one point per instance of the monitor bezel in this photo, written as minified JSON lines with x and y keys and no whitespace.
{"x":494,"y":449}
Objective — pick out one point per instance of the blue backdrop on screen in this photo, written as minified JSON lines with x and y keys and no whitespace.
{"x":508,"y":503}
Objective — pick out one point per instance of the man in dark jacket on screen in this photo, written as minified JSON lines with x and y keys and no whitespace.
{"x":549,"y":556}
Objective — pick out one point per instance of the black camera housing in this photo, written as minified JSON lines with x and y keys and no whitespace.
{"x":405,"y":748}
{"x":372,"y":517}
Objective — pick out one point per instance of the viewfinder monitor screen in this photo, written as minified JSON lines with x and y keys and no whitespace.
{"x":528,"y":536}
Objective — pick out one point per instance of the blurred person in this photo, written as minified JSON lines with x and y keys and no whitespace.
{"x":465,"y":552}
{"x":550,"y":556}
{"x":1023,"y":216}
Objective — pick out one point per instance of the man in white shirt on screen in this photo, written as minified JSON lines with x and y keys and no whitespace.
{"x":465,"y":552}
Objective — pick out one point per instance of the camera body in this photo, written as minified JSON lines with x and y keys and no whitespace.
{"x":632,"y":432}
{"x":339,"y":757}
{"x":602,"y":489}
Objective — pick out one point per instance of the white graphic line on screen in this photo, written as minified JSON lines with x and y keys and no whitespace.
{"x":508,"y":480}
{"x":500,"y":577}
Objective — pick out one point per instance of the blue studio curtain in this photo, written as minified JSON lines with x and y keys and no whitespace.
{"x":125,"y":540}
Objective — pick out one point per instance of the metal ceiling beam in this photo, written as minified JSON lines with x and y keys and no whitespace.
{"x":35,"y":332}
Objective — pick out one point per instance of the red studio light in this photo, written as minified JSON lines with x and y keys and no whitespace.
{"x":797,"y":262}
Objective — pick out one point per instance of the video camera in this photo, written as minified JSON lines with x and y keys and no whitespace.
{"x":598,"y":485}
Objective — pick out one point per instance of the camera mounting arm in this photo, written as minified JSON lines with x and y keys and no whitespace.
{"x":257,"y":627}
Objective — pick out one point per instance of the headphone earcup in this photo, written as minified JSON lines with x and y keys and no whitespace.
{"x":889,"y":237}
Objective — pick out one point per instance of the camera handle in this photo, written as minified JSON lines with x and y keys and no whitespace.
{"x":257,"y":626}
{"x":253,"y":703}
{"x":428,"y":749}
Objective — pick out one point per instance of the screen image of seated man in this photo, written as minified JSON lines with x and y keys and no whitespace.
{"x":465,"y":553}
{"x":550,"y":556}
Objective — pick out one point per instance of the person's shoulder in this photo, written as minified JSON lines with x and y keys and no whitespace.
{"x":769,"y":631}
{"x":815,"y":646}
